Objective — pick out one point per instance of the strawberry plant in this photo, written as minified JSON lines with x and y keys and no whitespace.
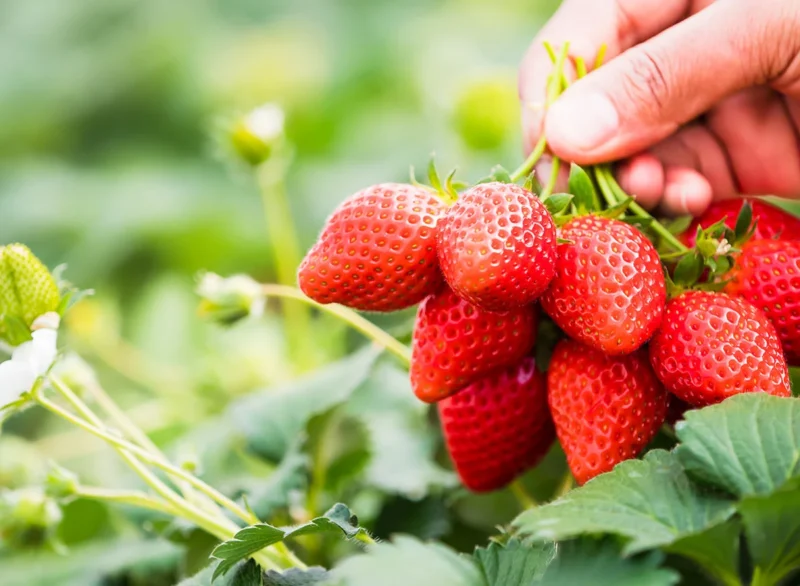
{"x":625,"y":380}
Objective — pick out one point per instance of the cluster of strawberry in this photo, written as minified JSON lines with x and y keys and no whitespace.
{"x":639,"y":334}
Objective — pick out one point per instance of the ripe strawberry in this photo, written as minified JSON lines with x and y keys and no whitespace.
{"x":606,"y":409}
{"x":609,"y":290}
{"x":773,"y":222}
{"x":498,"y":427}
{"x":767,"y":274}
{"x":711,"y":346}
{"x":497,"y":246}
{"x":377,"y":251}
{"x":456,"y":343}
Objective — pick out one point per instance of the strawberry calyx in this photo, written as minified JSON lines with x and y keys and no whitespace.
{"x":447,"y":191}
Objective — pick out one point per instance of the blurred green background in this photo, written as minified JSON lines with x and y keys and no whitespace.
{"x":109,"y":163}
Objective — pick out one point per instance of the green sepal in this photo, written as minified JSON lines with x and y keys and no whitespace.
{"x":616,"y":212}
{"x":679,"y":225}
{"x":558,"y":202}
{"x":564,"y":241}
{"x":743,"y":221}
{"x":582,"y":187}
{"x":688,"y":270}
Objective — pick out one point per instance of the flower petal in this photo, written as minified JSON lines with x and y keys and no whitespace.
{"x":15,"y":378}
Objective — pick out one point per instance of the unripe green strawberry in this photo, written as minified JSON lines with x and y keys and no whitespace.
{"x":27,"y":290}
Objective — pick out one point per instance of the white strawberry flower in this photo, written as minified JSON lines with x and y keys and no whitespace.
{"x":29,"y":360}
{"x":266,"y":122}
{"x":724,"y":247}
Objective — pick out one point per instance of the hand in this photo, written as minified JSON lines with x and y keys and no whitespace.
{"x":702,"y":97}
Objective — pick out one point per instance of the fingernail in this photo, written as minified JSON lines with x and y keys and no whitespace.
{"x":581,"y":122}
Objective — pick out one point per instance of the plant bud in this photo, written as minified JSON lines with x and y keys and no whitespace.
{"x":228,"y":300}
{"x":255,"y":137}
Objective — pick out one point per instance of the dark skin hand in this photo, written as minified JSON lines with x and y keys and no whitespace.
{"x":699,"y":98}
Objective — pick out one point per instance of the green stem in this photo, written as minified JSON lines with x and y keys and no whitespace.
{"x":221,"y":528}
{"x":551,"y":183}
{"x":527,"y":166}
{"x":356,"y":321}
{"x":286,"y":253}
{"x":564,"y":486}
{"x":125,"y":497}
{"x":657,"y":226}
{"x":127,"y":426}
{"x":525,"y":500}
{"x":605,"y":189}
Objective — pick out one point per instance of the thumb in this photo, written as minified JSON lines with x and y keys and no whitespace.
{"x":647,"y":92}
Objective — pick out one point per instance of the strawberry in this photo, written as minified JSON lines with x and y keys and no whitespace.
{"x":497,"y":246}
{"x":773,"y":222}
{"x":711,"y":346}
{"x":767,"y":274}
{"x":377,"y":251}
{"x":498,"y":427}
{"x":606,"y":409}
{"x":456,"y":343}
{"x":609,"y":289}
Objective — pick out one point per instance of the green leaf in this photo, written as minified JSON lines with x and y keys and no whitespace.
{"x":243,"y":574}
{"x":407,"y":561}
{"x":716,"y":550}
{"x":297,"y":577}
{"x":598,"y":563}
{"x":402,"y":442}
{"x":772,"y":527}
{"x":747,"y":445}
{"x":581,"y":186}
{"x":256,"y":537}
{"x":248,"y":574}
{"x":514,"y":563}
{"x":272,"y":419}
{"x":650,"y":502}
{"x":244,"y":544}
{"x":557,"y":202}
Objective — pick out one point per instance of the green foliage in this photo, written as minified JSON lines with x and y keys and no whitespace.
{"x":408,"y":561}
{"x":272,"y":419}
{"x":747,"y":445}
{"x":256,"y":537}
{"x":772,"y":528}
{"x":650,"y":502}
{"x":514,"y":562}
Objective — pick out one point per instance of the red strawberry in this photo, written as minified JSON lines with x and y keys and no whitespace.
{"x":767,"y":274}
{"x":711,"y":346}
{"x":609,"y":290}
{"x":773,"y":222}
{"x":606,"y":409}
{"x":676,"y":409}
{"x":377,"y":251}
{"x":498,"y":427}
{"x":456,"y":343}
{"x":497,"y":246}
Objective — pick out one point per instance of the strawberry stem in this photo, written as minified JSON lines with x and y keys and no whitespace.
{"x":606,"y":181}
{"x":556,"y":83}
{"x":355,"y":320}
{"x":527,"y":166}
{"x":525,"y":500}
{"x":551,"y":183}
